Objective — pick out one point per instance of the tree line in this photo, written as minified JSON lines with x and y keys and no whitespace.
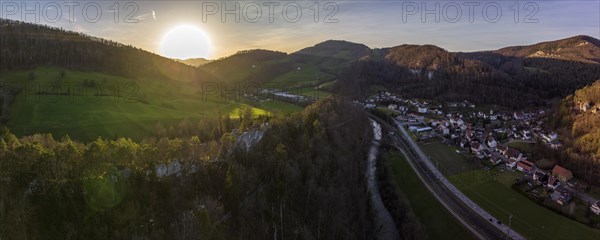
{"x":304,"y":180}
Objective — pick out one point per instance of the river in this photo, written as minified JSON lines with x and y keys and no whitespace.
{"x":384,"y":223}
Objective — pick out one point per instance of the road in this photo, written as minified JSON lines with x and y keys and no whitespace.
{"x":481,"y":224}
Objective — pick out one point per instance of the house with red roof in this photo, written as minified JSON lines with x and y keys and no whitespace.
{"x":525,"y":166}
{"x":561,"y":173}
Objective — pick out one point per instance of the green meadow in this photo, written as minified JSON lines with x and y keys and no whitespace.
{"x":450,"y":162}
{"x":306,"y":75}
{"x":438,"y":222}
{"x":86,"y":105}
{"x":492,"y":191}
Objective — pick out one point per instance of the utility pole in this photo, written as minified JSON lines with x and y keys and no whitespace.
{"x":437,"y":169}
{"x":508,"y":230}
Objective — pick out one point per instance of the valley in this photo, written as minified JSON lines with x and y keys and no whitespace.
{"x":335,"y":140}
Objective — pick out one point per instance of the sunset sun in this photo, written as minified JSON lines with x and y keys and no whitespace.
{"x":185,"y":42}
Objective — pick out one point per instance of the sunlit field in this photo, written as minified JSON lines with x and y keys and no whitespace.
{"x":90,"y":104}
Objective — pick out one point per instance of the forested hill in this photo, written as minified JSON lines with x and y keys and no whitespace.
{"x":262,"y":66}
{"x":427,"y":71}
{"x":512,"y":76}
{"x":254,"y":66}
{"x":196,"y":62}
{"x":579,"y":118}
{"x":25,"y":46}
{"x":552,"y":69}
{"x":304,"y":180}
{"x":578,"y":48}
{"x":332,"y":56}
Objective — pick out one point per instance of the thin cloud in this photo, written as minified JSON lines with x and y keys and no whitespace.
{"x":147,"y":16}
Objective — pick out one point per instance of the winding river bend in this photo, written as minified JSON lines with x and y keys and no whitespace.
{"x":384,"y":223}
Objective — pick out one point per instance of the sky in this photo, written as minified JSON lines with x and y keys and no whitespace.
{"x":289,"y":26}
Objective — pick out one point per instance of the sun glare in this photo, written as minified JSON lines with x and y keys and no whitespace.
{"x":185,"y":42}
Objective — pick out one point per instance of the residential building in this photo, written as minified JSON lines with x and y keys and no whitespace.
{"x":540,"y":177}
{"x":513,"y":154}
{"x":510,"y":163}
{"x":492,"y":143}
{"x":562,"y":196}
{"x":552,"y":182}
{"x":555,"y":144}
{"x":476,"y":147}
{"x":525,"y":166}
{"x":561,"y":173}
{"x":595,"y":208}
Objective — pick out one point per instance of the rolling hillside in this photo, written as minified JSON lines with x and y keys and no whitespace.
{"x":35,"y":55}
{"x":195,"y":62}
{"x":577,"y":48}
{"x":331,"y":56}
{"x":250,"y":66}
{"x":85,"y":104}
{"x":27,"y":46}
{"x":509,"y":76}
{"x":67,"y":83}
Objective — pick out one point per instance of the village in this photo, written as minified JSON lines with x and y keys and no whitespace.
{"x":487,"y":136}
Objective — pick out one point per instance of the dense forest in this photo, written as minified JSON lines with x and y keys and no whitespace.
{"x":452,"y":84}
{"x":497,"y":77}
{"x":26,"y":46}
{"x":304,"y":180}
{"x":579,"y":118}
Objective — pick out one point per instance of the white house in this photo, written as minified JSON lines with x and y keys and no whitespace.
{"x":443,"y":129}
{"x":422,"y":109}
{"x":555,"y":144}
{"x":518,"y":115}
{"x":510,"y":163}
{"x":595,"y":208}
{"x":492,"y":143}
{"x":456,"y":120}
{"x":550,"y":137}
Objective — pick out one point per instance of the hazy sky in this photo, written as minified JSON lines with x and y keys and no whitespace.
{"x":460,"y":26}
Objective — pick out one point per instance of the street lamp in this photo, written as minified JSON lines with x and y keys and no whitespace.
{"x":508,"y":230}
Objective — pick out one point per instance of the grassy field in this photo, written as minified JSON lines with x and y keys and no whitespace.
{"x":311,"y":92}
{"x":86,"y":105}
{"x":438,"y":222}
{"x":522,"y":146}
{"x":491,"y":190}
{"x":276,"y":106}
{"x":450,"y":162}
{"x":327,"y":84}
{"x":386,"y":110}
{"x":308,"y":75}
